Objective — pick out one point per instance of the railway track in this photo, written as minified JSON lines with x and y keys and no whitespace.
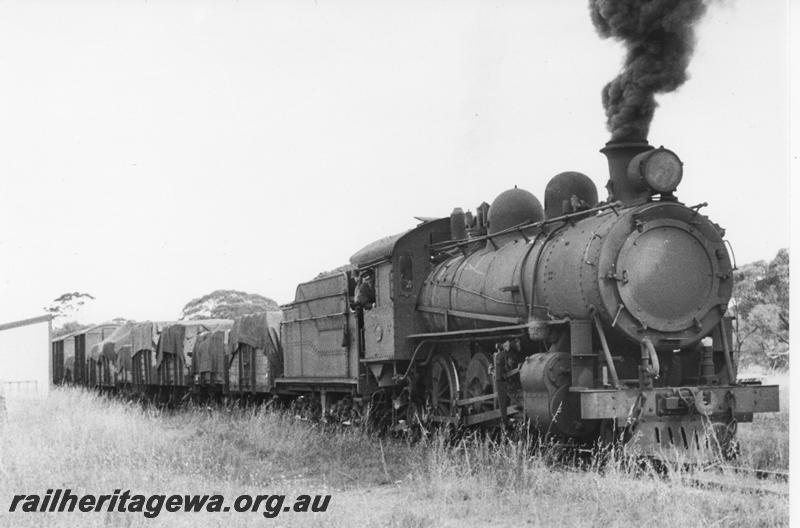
{"x":779,"y":488}
{"x":714,"y":477}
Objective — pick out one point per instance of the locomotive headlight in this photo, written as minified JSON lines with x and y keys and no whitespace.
{"x":659,"y":169}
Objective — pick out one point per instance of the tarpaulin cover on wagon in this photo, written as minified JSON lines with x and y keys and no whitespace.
{"x":179,"y":337}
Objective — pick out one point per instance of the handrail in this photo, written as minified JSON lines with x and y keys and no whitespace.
{"x":530,"y":225}
{"x":612,"y":370}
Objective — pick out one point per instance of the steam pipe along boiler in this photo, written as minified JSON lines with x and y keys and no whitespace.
{"x":595,"y":321}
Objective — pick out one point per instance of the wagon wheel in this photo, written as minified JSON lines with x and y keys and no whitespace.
{"x":442,"y":389}
{"x":355,"y":414}
{"x":378,"y":413}
{"x":479,"y":383}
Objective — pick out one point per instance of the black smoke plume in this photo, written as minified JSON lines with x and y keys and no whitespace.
{"x":659,"y":36}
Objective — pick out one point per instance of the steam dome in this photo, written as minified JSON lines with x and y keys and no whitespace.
{"x":513,"y":207}
{"x":558,"y":196}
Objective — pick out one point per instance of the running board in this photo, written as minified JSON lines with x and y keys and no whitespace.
{"x":473,"y":419}
{"x":476,"y":399}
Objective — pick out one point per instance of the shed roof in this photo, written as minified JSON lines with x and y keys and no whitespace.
{"x":25,"y":322}
{"x":85,"y":331}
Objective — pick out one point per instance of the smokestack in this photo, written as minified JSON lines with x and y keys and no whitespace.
{"x":619,"y":155}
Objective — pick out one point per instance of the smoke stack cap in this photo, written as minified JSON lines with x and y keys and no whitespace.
{"x":660,"y":169}
{"x":512,"y":208}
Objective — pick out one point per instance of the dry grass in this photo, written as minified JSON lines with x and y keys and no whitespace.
{"x":90,"y":444}
{"x":765,"y":442}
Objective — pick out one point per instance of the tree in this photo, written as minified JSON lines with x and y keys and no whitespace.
{"x":67,"y":304}
{"x":64,"y":308}
{"x":227,"y":304}
{"x":761,"y":305}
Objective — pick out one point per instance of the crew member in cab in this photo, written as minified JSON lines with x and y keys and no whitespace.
{"x":365,"y":290}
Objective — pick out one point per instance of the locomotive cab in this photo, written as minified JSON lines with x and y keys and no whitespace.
{"x":399,"y":265}
{"x":346,"y":331}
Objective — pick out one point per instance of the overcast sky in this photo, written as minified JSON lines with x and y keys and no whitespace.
{"x":151,"y":152}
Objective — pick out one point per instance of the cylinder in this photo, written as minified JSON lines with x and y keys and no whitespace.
{"x":548,"y":403}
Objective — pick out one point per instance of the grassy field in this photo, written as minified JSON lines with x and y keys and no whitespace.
{"x":90,"y":444}
{"x":765,"y":442}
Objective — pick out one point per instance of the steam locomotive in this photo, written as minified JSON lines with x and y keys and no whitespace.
{"x":590,"y":320}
